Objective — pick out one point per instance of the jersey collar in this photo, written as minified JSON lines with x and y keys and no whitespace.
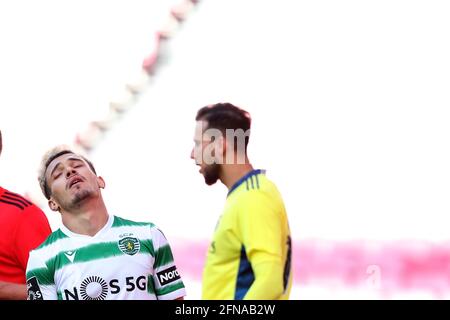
{"x":242,"y":180}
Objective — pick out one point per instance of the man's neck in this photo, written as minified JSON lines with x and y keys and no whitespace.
{"x":231,"y":173}
{"x":88,"y":220}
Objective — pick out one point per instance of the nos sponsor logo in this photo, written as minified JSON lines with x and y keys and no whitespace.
{"x":168,"y":275}
{"x":96,"y":288}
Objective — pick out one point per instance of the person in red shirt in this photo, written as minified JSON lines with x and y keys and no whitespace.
{"x":23,"y":227}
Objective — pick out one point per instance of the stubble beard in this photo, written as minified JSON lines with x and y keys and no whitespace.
{"x":79,"y":199}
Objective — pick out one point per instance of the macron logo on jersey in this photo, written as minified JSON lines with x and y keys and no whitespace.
{"x":70,"y":255}
{"x":168,"y":275}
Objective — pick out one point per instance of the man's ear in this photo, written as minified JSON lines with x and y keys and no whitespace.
{"x":53,"y":205}
{"x":101,"y":182}
{"x":222,"y":150}
{"x":221,"y":146}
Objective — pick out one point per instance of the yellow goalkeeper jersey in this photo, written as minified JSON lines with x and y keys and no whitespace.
{"x":250,"y":254}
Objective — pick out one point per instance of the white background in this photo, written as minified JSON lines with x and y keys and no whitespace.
{"x":350,"y":105}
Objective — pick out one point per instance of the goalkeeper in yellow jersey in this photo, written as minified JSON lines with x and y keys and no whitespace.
{"x":250,"y":254}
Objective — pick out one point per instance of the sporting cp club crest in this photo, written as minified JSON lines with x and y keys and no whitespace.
{"x":129,"y":245}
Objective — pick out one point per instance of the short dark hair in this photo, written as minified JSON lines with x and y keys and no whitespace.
{"x":48,"y":158}
{"x":223,"y":116}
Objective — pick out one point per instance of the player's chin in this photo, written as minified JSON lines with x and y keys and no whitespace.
{"x":210,"y":180}
{"x":82,"y":195}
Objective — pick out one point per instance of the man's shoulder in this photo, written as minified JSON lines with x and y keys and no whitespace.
{"x":53,"y":238}
{"x":263,"y":197}
{"x":16,"y":202}
{"x":122,"y":222}
{"x":261,"y":187}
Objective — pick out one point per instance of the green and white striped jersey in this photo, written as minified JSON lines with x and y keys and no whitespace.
{"x":124,"y":260}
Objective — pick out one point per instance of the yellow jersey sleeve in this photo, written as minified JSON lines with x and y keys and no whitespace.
{"x":262,"y":225}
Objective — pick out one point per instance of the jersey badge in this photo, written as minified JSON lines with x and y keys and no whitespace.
{"x":129,"y":245}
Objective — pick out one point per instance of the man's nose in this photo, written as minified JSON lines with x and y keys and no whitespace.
{"x":70,"y":171}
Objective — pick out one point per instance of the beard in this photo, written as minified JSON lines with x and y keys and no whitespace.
{"x":80,"y":197}
{"x":77,"y":200}
{"x":211,"y":174}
